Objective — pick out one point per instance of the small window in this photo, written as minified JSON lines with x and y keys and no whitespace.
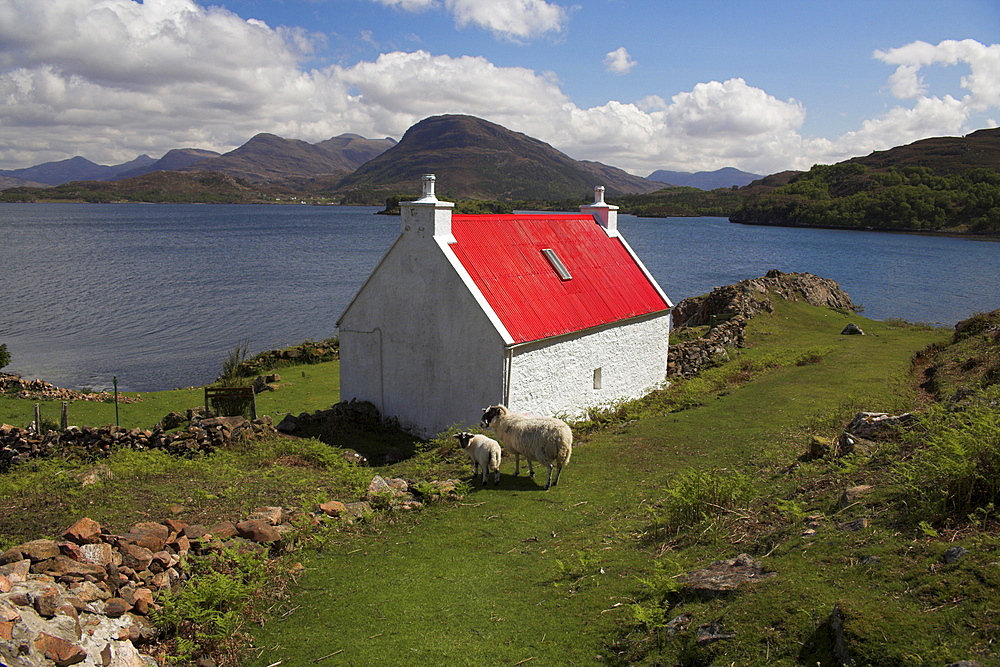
{"x":597,"y":378}
{"x":556,"y":263}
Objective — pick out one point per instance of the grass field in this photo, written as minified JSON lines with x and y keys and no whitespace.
{"x":584,"y":573}
{"x":587,"y":573}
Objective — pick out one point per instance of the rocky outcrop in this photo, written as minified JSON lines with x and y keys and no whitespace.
{"x":203,"y":435}
{"x":726,"y":311}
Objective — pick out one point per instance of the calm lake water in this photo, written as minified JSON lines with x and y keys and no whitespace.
{"x":158,"y":295}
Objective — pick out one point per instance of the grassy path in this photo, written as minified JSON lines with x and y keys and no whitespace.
{"x":517,"y":575}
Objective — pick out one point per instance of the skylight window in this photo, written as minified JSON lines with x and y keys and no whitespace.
{"x":556,"y":263}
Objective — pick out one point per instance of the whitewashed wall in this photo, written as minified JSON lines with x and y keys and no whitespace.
{"x":557,"y":377}
{"x":417,"y":344}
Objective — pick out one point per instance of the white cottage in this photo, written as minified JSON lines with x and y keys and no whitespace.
{"x":546,"y":313}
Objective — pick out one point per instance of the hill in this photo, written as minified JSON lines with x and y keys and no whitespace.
{"x":944,"y":156}
{"x":726,"y":177}
{"x":477,"y":159}
{"x":943,"y":184}
{"x":268,"y":158}
{"x":172,"y":160}
{"x":155,"y":187}
{"x":74,"y":169}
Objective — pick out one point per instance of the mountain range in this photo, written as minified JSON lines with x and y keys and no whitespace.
{"x":726,"y":177}
{"x":473,"y":159}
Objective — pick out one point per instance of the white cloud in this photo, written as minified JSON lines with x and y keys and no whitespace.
{"x":619,"y":61}
{"x":983,"y":83}
{"x":507,"y":19}
{"x":109,"y":79}
{"x":409,"y":5}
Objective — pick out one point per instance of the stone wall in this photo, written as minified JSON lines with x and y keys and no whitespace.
{"x":202,"y":435}
{"x":733,"y":306}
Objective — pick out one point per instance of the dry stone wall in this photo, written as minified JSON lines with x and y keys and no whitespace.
{"x":202,"y":435}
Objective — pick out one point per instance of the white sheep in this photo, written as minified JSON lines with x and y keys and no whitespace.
{"x":544,"y":439}
{"x":484,"y":453}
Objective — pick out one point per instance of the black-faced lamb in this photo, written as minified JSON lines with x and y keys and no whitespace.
{"x":484,"y":453}
{"x":544,"y":439}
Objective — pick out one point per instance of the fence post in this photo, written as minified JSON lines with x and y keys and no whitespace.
{"x":64,"y":418}
{"x":38,"y":419}
{"x":114,"y":380}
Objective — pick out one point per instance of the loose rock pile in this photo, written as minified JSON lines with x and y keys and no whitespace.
{"x":86,"y":599}
{"x":203,"y":435}
{"x":17,"y":387}
{"x":734,"y":306}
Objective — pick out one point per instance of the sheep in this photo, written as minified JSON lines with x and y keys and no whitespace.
{"x":484,"y":453}
{"x":544,"y":439}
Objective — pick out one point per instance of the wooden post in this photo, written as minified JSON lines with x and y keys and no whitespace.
{"x":64,"y":419}
{"x":38,"y":419}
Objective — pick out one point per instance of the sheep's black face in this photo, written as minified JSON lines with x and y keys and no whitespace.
{"x":463,"y":439}
{"x":489,"y":414}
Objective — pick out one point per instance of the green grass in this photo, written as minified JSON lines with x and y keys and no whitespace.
{"x":586,"y":572}
{"x":519,"y":574}
{"x":304,"y":388}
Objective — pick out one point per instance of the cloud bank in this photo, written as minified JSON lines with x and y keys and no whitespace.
{"x":109,"y":79}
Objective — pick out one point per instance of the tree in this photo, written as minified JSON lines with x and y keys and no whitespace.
{"x":4,"y":355}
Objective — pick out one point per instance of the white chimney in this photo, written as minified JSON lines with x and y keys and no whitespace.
{"x":605,"y":214}
{"x":427,"y":216}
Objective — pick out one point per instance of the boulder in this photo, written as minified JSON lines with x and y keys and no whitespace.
{"x":852,"y":329}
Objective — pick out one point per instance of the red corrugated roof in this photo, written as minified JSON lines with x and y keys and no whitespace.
{"x":503,"y":255}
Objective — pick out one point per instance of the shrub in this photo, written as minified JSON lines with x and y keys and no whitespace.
{"x":4,"y":355}
{"x":955,"y":466}
{"x":697,"y":497}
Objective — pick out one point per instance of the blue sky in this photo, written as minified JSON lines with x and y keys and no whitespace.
{"x":638,"y":84}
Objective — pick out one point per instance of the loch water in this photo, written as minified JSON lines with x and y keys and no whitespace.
{"x":159,"y":295}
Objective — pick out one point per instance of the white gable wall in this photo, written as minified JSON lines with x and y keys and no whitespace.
{"x":556,"y":377}
{"x":417,"y":344}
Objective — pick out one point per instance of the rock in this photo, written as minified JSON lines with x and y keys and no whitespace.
{"x":954,"y":554}
{"x":840,"y":652}
{"x":224,"y":530}
{"x":61,"y":565}
{"x":877,"y":425}
{"x":172,"y":420}
{"x":354,"y":457}
{"x":852,"y":494}
{"x":852,"y":330}
{"x":854,"y":526}
{"x":333,"y":508}
{"x":258,"y":530}
{"x":38,"y":550}
{"x":272,"y":515}
{"x":288,"y":425}
{"x":819,"y":448}
{"x":710,"y":633}
{"x":378,"y":485}
{"x":59,"y":650}
{"x":99,"y":473}
{"x":725,"y":576}
{"x":115,"y":607}
{"x":84,"y":531}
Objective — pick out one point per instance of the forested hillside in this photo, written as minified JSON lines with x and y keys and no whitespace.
{"x":906,"y":198}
